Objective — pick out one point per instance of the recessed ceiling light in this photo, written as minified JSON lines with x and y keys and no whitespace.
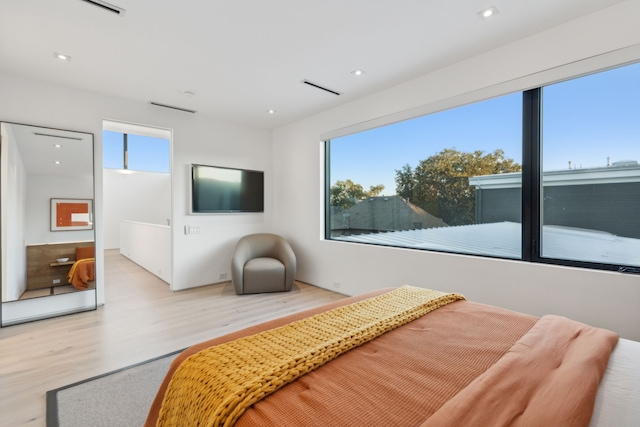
{"x":271,"y":111}
{"x":488,"y":12}
{"x":57,"y":145}
{"x":57,"y":162}
{"x":61,"y":56}
{"x":188,"y":93}
{"x":358,"y":72}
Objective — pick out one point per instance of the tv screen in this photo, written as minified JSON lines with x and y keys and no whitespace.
{"x":217,"y":190}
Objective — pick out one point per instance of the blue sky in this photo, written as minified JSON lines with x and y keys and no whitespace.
{"x":145,"y":153}
{"x":585,"y":121}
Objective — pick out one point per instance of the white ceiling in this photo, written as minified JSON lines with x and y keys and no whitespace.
{"x":49,"y":152}
{"x":244,"y":57}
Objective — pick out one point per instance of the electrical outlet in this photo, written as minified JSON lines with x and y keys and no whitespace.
{"x":336,"y":285}
{"x":222,"y":275}
{"x":56,"y":281}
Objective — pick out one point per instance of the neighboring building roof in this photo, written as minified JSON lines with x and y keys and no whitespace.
{"x":625,"y":171}
{"x":503,"y":239}
{"x":383,"y":213}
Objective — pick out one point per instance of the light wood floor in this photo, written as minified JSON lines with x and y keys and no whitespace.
{"x":141,"y":319}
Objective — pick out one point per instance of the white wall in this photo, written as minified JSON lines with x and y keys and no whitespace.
{"x":605,"y":299}
{"x":200,"y":258}
{"x":13,"y":178}
{"x":137,"y":196}
{"x":148,"y":245}
{"x":197,"y":259}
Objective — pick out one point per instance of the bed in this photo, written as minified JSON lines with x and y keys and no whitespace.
{"x":83,"y":270}
{"x":463,"y":363}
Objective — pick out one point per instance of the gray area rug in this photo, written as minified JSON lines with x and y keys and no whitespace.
{"x":117,"y":399}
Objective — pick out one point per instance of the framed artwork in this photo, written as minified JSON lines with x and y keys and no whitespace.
{"x":71,"y":214}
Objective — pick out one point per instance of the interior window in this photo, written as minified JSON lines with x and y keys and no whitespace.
{"x":112,"y":150}
{"x":135,"y":152}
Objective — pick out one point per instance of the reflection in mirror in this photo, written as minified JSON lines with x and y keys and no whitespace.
{"x":71,"y":214}
{"x":47,"y":191}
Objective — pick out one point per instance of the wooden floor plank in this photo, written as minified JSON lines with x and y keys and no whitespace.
{"x":142,"y":319}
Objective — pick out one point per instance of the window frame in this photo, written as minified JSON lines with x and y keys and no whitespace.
{"x":531,"y":226}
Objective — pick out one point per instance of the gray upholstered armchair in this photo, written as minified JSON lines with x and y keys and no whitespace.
{"x":263,"y":262}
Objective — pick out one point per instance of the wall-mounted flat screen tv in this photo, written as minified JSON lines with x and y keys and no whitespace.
{"x":217,"y":189}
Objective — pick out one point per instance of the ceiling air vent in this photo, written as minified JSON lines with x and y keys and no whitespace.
{"x":106,"y":6}
{"x":56,"y":136}
{"x":307,"y":82}
{"x":186,"y":110}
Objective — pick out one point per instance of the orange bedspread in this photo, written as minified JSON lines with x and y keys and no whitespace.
{"x":407,"y":376}
{"x":549,"y":378}
{"x":81,"y":273}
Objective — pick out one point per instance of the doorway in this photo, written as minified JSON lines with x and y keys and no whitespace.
{"x":137,"y":195}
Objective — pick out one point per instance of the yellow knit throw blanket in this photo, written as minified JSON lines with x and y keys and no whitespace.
{"x":216,"y":385}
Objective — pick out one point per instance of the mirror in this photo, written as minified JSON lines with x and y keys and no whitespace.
{"x":48,"y":234}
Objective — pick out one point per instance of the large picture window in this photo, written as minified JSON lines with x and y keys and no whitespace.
{"x":420,"y":183}
{"x":548,"y":175}
{"x":590,"y":197}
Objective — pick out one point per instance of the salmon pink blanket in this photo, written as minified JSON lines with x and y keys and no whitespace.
{"x":420,"y":372}
{"x":548,"y":378}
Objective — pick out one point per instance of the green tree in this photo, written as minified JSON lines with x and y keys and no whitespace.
{"x":374,"y":190}
{"x":440,"y":183}
{"x":405,"y":182}
{"x":347,"y":193}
